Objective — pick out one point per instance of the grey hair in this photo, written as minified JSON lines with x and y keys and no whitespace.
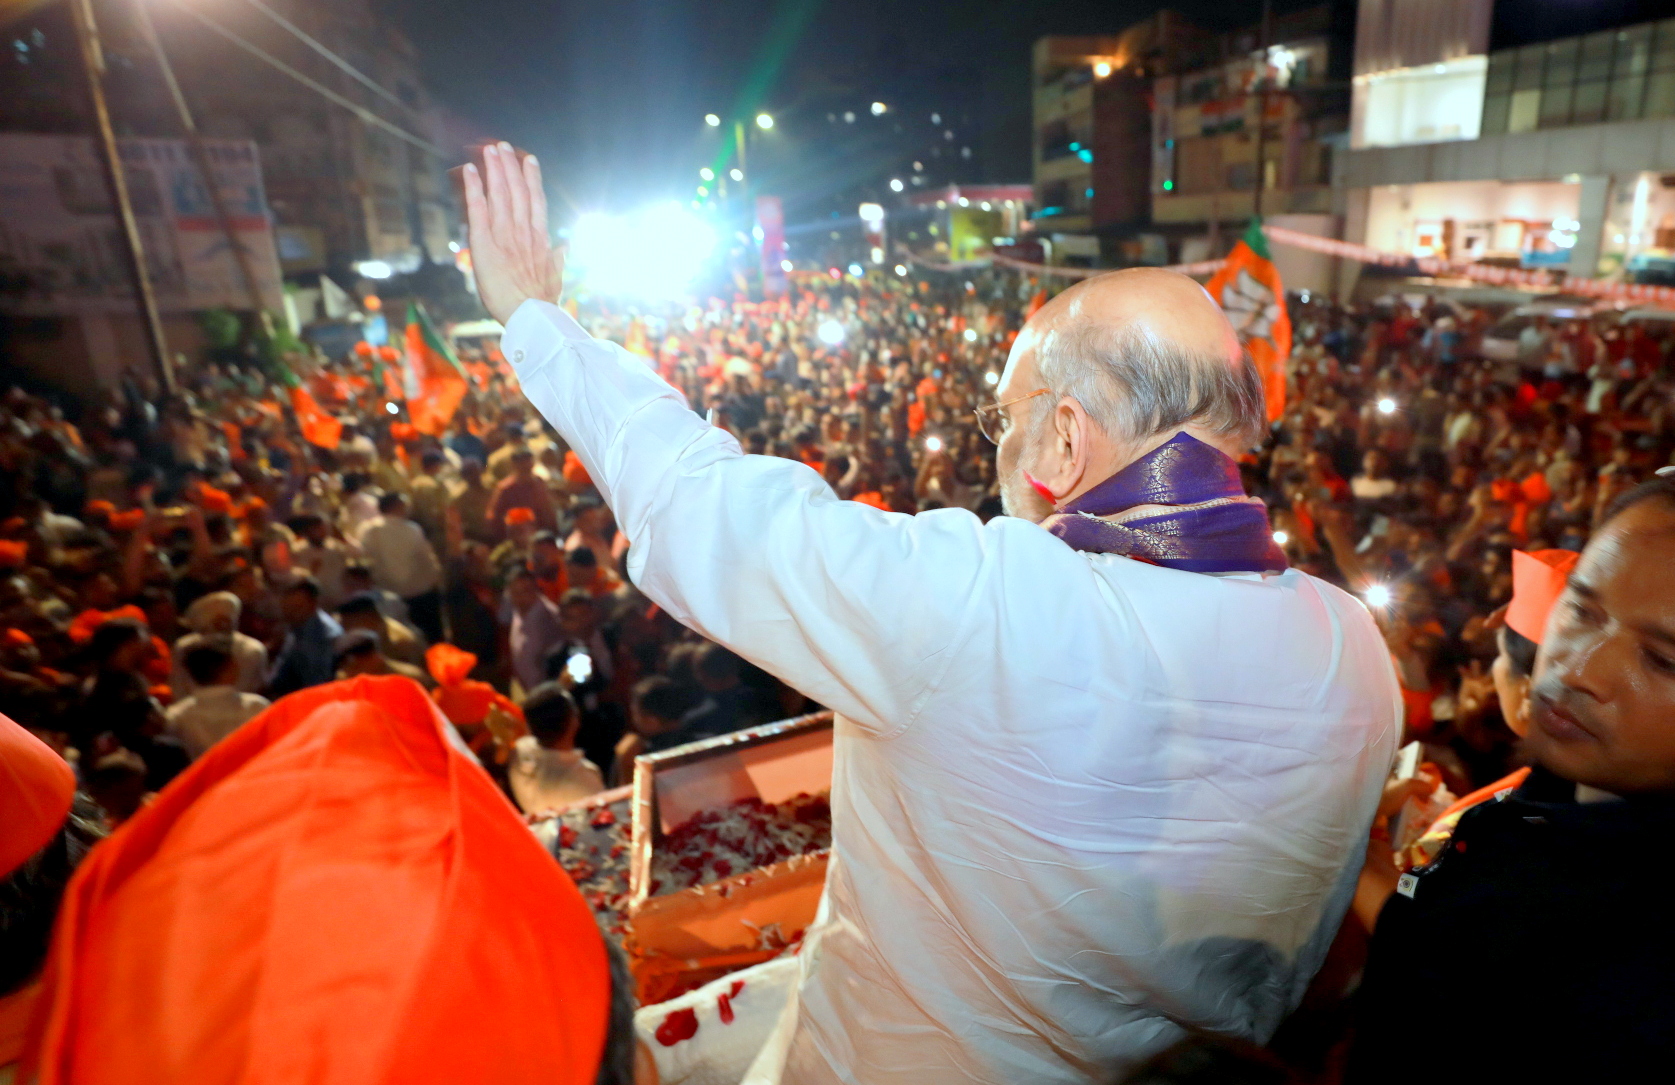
{"x":1136,"y":385}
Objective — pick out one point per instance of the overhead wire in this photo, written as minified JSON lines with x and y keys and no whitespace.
{"x":366,"y":115}
{"x":349,"y":69}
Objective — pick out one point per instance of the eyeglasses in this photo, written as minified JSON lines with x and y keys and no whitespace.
{"x":993,"y":420}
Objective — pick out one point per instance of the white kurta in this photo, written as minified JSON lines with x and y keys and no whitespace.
{"x":1077,"y":801}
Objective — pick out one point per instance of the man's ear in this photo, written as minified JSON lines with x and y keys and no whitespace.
{"x":1517,"y":716}
{"x":1064,"y":452}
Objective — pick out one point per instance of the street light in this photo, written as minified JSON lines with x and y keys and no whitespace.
{"x":712,"y":120}
{"x":764,"y":121}
{"x":736,"y":174}
{"x":707,"y":174}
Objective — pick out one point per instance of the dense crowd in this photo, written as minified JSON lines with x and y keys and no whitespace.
{"x":169,"y":564}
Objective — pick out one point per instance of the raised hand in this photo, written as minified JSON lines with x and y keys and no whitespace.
{"x":506,"y":211}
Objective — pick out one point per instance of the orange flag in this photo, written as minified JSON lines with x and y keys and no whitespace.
{"x":1249,"y":290}
{"x":434,"y":373}
{"x":318,"y":427}
{"x":333,"y":893}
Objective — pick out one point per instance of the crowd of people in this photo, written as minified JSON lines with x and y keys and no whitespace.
{"x":171,"y":564}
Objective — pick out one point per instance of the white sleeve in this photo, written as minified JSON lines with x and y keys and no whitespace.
{"x":854,"y":607}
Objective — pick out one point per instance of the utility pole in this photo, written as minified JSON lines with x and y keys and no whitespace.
{"x":200,"y":158}
{"x":1262,"y":106}
{"x":93,"y":63}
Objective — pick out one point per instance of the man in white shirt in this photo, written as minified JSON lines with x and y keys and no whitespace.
{"x":213,"y":619}
{"x":1103,"y":768}
{"x":324,"y":557}
{"x":546,"y":770}
{"x":218,"y":708}
{"x":403,"y":561}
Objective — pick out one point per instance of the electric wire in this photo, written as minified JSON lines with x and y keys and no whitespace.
{"x":365,"y":114}
{"x":348,"y":68}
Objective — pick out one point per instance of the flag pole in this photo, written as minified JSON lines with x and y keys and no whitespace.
{"x":93,"y":64}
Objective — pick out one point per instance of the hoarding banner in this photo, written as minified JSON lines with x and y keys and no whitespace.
{"x":61,"y":248}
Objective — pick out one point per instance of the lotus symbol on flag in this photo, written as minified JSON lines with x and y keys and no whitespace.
{"x":1250,"y":307}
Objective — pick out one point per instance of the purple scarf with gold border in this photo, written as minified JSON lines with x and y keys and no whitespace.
{"x":1181,"y":506}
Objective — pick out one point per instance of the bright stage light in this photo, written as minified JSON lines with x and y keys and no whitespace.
{"x":712,"y":120}
{"x":1386,"y":406}
{"x":830,"y":332}
{"x":392,"y":408}
{"x":896,"y":185}
{"x":901,"y":269}
{"x":653,"y":254}
{"x":1102,"y":69}
{"x":857,"y":270}
{"x":1378,"y":596}
{"x":736,"y":174}
{"x":764,"y":122}
{"x":878,"y":109}
{"x":1281,"y":538}
{"x":933,"y":444}
{"x":786,"y":265}
{"x":971,"y":335}
{"x":707,"y":174}
{"x":374,"y":269}
{"x":991,"y":378}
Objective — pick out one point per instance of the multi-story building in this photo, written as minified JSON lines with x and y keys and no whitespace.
{"x":342,"y":191}
{"x":1248,"y":124}
{"x":1520,"y":141}
{"x":1092,"y":138}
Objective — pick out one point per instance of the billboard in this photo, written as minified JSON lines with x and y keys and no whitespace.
{"x":61,"y":247}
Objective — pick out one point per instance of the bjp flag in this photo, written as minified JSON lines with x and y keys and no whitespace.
{"x":437,"y":385}
{"x":1249,"y":291}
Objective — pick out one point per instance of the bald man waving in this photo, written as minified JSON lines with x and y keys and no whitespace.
{"x":1104,"y":766}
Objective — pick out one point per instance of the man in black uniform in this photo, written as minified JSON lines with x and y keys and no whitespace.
{"x":1540,"y":945}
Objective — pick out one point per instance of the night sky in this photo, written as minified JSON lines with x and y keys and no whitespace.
{"x":612,"y":93}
